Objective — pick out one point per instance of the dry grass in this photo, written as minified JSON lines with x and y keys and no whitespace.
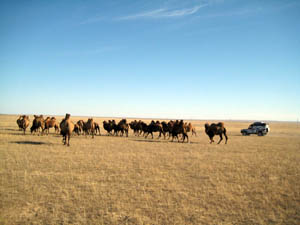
{"x":114,"y":180}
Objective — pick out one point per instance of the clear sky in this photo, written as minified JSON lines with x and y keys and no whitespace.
{"x":197,"y":59}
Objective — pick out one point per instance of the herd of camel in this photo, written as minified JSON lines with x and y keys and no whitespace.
{"x":175,"y":129}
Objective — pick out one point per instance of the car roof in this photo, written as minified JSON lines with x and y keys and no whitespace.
{"x":258,"y":123}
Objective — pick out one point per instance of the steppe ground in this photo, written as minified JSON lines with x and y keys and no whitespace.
{"x":119,"y":180}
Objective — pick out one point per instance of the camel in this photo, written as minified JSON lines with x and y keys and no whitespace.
{"x":23,"y":122}
{"x":49,"y":123}
{"x":37,"y":124}
{"x":89,"y":127}
{"x":66,"y":129}
{"x":121,"y":127}
{"x":190,"y":128}
{"x":165,"y":128}
{"x":108,"y":126}
{"x":134,"y":126}
{"x":97,"y":128}
{"x":216,"y":129}
{"x":76,"y":129}
{"x":19,"y":121}
{"x":155,"y":127}
{"x":80,"y":124}
{"x":179,"y":128}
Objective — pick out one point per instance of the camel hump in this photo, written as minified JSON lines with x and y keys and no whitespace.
{"x":221,"y":124}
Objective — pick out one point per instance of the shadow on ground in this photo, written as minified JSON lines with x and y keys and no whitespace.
{"x":30,"y":142}
{"x":9,"y":129}
{"x":147,"y":140}
{"x":164,"y":141}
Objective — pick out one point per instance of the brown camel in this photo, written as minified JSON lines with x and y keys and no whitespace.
{"x":80,"y":124}
{"x":190,"y":128}
{"x":89,"y":127}
{"x":66,"y":129}
{"x":23,"y":122}
{"x":49,"y":123}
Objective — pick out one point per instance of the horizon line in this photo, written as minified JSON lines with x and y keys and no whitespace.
{"x":158,"y":118}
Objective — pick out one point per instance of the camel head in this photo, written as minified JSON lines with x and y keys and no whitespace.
{"x":67,"y":116}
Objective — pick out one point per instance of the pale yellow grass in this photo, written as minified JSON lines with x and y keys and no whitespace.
{"x":114,"y":180}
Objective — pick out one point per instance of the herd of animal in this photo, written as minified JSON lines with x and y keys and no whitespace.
{"x":175,"y":129}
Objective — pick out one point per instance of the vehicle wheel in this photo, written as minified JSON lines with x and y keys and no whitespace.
{"x":260,"y":134}
{"x":244,"y":134}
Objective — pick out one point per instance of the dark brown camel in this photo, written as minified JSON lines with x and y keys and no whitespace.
{"x":216,"y":129}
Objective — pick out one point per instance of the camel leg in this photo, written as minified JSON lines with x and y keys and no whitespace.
{"x":225,"y":136}
{"x":221,"y":138}
{"x":187,"y":137}
{"x":194,"y":132}
{"x":159,"y":135}
{"x":68,"y":139}
{"x":183,"y":138}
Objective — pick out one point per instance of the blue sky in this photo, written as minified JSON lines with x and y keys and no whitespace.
{"x":198,"y":59}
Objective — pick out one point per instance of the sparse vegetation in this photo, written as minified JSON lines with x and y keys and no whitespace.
{"x":120,"y":180}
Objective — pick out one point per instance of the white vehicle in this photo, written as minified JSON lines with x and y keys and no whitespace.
{"x":259,"y":128}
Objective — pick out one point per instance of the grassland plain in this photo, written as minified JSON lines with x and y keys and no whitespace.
{"x":118,"y":180}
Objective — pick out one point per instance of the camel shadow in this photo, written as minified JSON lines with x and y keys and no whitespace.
{"x":10,"y":129}
{"x":147,"y":140}
{"x":29,"y":142}
{"x":21,"y":133}
{"x":164,"y":141}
